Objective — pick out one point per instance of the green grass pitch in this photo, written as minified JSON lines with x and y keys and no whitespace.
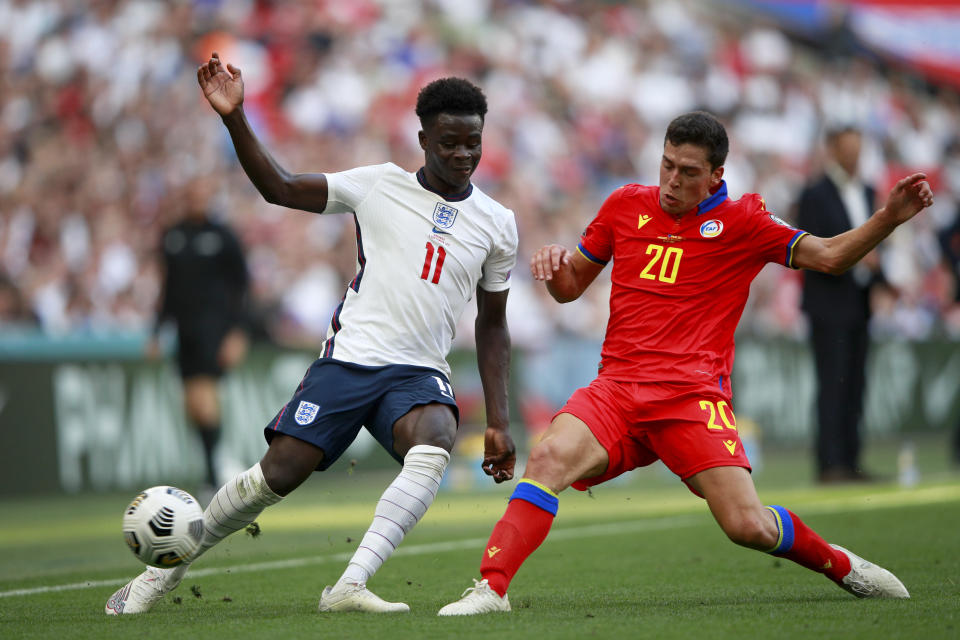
{"x":639,"y":558}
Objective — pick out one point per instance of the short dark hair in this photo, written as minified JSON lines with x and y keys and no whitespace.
{"x":836,"y":129}
{"x":703,"y":130}
{"x":455,"y":96}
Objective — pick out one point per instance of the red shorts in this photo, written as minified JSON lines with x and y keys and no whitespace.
{"x":640,"y":423}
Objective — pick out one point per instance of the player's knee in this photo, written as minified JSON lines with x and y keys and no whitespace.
{"x":547,"y":455}
{"x":442,"y":437}
{"x":288,"y":462}
{"x":748,"y":530}
{"x":432,"y":425}
{"x":280,"y":478}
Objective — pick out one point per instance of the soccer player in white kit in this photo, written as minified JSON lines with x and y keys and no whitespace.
{"x":427,"y":242}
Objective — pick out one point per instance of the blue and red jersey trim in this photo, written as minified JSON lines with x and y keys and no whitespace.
{"x":717,"y":198}
{"x":791,"y":248}
{"x":589,"y":256}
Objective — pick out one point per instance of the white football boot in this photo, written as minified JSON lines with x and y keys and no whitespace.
{"x":867,"y":580}
{"x":479,"y":598}
{"x":147,"y":589}
{"x":356,"y":597}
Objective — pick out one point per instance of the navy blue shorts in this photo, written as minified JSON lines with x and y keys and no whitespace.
{"x":335,"y":399}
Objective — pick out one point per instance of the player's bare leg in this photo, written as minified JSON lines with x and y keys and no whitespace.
{"x":424,"y":437}
{"x":733,"y":500}
{"x":568,"y":452}
{"x":287,"y":463}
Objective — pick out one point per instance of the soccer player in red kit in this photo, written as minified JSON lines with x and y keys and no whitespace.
{"x":683,"y":255}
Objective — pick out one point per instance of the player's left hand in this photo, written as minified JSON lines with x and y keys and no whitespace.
{"x":499,"y":454}
{"x":908,"y":197}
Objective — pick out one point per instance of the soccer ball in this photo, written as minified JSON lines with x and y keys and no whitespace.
{"x":163,"y":526}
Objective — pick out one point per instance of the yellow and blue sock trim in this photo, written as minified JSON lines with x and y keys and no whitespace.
{"x":536,"y":494}
{"x":784,"y":528}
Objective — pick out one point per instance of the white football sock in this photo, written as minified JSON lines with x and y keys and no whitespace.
{"x":400,"y":507}
{"x":234,"y":506}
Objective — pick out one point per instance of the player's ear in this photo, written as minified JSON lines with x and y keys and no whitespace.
{"x":716,"y":176}
{"x":423,"y":139}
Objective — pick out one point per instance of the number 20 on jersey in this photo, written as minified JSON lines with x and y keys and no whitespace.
{"x":668,"y":259}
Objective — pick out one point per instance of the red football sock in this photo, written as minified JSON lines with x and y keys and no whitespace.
{"x":518,"y":534}
{"x":811,"y":551}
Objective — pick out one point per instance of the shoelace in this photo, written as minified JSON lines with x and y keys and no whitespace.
{"x":150,"y":587}
{"x":478,"y":585}
{"x":861,"y":587}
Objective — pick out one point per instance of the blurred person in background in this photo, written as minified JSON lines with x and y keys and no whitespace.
{"x":838,"y":307}
{"x":204,"y":294}
{"x":949,"y":238}
{"x":427,"y":243}
{"x":14,"y":312}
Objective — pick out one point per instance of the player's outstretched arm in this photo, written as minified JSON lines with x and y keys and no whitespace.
{"x":566,"y":273}
{"x":493,"y":361}
{"x":223,"y":88}
{"x":837,"y":254}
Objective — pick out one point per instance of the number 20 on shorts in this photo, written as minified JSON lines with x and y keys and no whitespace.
{"x":723,"y":411}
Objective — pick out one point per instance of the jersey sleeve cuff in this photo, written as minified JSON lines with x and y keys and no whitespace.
{"x":494,"y":287}
{"x":589,"y":256}
{"x":792,"y":247}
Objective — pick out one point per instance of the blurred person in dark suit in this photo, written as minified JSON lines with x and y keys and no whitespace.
{"x":204,"y":292}
{"x":949,"y":238}
{"x":838,"y":307}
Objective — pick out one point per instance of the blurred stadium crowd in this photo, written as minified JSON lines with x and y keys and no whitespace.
{"x":105,"y":138}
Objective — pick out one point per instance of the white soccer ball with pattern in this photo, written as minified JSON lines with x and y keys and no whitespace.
{"x":163,"y":526}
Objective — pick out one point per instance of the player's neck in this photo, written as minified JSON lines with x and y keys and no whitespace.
{"x":429,"y":181}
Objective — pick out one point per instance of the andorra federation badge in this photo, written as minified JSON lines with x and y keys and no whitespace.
{"x":711,"y":228}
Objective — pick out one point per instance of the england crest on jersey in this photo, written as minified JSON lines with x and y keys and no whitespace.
{"x":444,"y":216}
{"x":306,"y":413}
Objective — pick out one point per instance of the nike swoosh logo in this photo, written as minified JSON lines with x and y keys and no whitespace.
{"x":446,"y":233}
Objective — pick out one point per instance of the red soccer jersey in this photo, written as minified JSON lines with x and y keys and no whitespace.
{"x":679,"y":288}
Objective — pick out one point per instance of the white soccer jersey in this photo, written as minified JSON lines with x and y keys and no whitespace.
{"x":420,"y":259}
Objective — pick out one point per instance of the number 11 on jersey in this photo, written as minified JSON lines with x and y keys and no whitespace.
{"x":428,"y":262}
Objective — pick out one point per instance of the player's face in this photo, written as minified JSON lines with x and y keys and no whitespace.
{"x":452,"y":149}
{"x":685,"y":177}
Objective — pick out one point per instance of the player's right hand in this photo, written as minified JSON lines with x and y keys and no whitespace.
{"x":222,"y":86}
{"x":499,"y":454}
{"x":547,"y":260}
